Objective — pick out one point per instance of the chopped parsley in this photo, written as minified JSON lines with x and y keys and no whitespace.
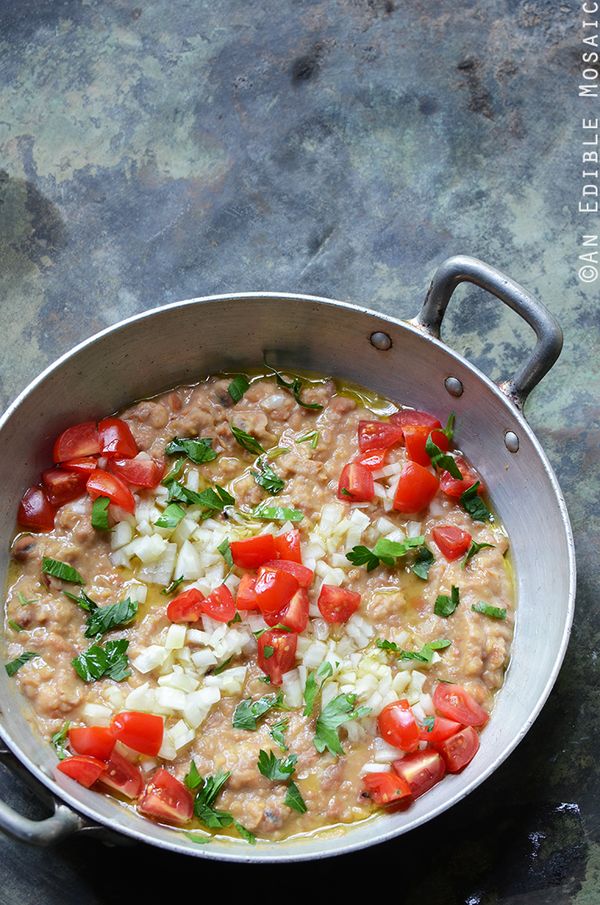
{"x":267,"y":478}
{"x":425,"y":655}
{"x":385,"y":551}
{"x":224,"y":549}
{"x":24,"y":601}
{"x":222,"y":666}
{"x":174,"y":473}
{"x":100,"y":513}
{"x":82,"y":600}
{"x":238,"y":386}
{"x":442,"y":460}
{"x":293,"y":799}
{"x":312,"y":437}
{"x":212,"y":498}
{"x":173,"y":585}
{"x":171,"y":516}
{"x":192,"y":778}
{"x":313,"y":685}
{"x":277,"y":769}
{"x":449,"y":429}
{"x":428,"y":723}
{"x":423,"y":562}
{"x":15,"y":626}
{"x":277,"y":451}
{"x":494,"y":612}
{"x":59,"y":740}
{"x":199,"y":450}
{"x":16,"y":664}
{"x":61,"y":570}
{"x":248,"y":712}
{"x":278,"y":513}
{"x":472,"y":551}
{"x":208,"y":788}
{"x":474,"y":505}
{"x":444,"y":605}
{"x":337,"y":711}
{"x":104,"y":618}
{"x":246,"y":441}
{"x":97,"y":662}
{"x":295,"y":386}
{"x":277,"y":733}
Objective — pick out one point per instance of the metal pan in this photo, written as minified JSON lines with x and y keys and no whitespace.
{"x":406,"y":361}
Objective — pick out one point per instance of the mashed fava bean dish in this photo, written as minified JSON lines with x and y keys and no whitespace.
{"x":260,"y":606}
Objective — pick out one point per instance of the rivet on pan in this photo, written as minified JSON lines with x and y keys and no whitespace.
{"x":511,"y":441}
{"x":381,"y":341}
{"x":454,"y":386}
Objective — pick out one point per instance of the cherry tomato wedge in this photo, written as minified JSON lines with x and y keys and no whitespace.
{"x":79,"y":440}
{"x":287,"y":545}
{"x":455,"y":703}
{"x":141,"y":471}
{"x":101,"y":483}
{"x":416,"y":488}
{"x":143,"y":732}
{"x":398,"y":726}
{"x":83,"y":465}
{"x":246,"y":598}
{"x":303,"y":575}
{"x":219,"y":604}
{"x":116,"y":439}
{"x":294,"y":616}
{"x":415,"y":439}
{"x":123,"y":776}
{"x":35,"y":510}
{"x":186,"y":607}
{"x":421,"y":770}
{"x":453,"y":542}
{"x":277,"y":653}
{"x":84,"y":770}
{"x":63,"y":486}
{"x":356,"y":484}
{"x":166,"y":798}
{"x":455,"y":488}
{"x":95,"y":741}
{"x":440,"y":730}
{"x":253,"y":552}
{"x":372,"y":458}
{"x":412,"y":417}
{"x":337,"y":604}
{"x":460,"y":749}
{"x":378,"y":435}
{"x":274,"y":589}
{"x":386,"y":788}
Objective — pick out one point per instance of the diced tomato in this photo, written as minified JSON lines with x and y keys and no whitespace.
{"x":378,"y":435}
{"x":274,"y":589}
{"x":398,"y":726}
{"x":440,"y":731}
{"x":101,"y":483}
{"x":415,"y":438}
{"x":460,"y":749}
{"x":253,"y":552}
{"x":416,"y":488}
{"x":95,"y":741}
{"x":356,"y":484}
{"x":386,"y":788}
{"x":123,"y":776}
{"x":453,"y":542}
{"x":294,"y":616}
{"x":455,"y":703}
{"x":372,"y":458}
{"x":35,"y":510}
{"x":63,"y":486}
{"x":287,"y":545}
{"x":421,"y":770}
{"x":79,"y":440}
{"x":219,"y":604}
{"x":83,"y":465}
{"x":246,"y":598}
{"x":166,"y":798}
{"x":455,"y":488}
{"x":302,"y":574}
{"x":141,"y":471}
{"x":412,"y":417}
{"x":84,"y":770}
{"x":143,"y":732}
{"x":186,"y":607}
{"x":277,"y":653}
{"x":337,"y":604}
{"x":116,"y":439}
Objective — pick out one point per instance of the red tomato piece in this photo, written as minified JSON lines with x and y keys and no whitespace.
{"x":101,"y":483}
{"x":378,"y":435}
{"x":372,"y":458}
{"x":95,"y":741}
{"x":337,"y":604}
{"x":246,"y":598}
{"x":412,"y":417}
{"x":123,"y":776}
{"x":141,"y":471}
{"x":416,"y":488}
{"x":302,"y":574}
{"x":63,"y":486}
{"x":219,"y":604}
{"x":386,"y":788}
{"x":79,"y":440}
{"x":186,"y":607}
{"x":143,"y":732}
{"x":253,"y":552}
{"x":84,"y":770}
{"x":294,"y":616}
{"x":415,"y":438}
{"x":454,"y":488}
{"x":83,"y":465}
{"x":274,"y":589}
{"x":453,"y":542}
{"x":116,"y":439}
{"x":398,"y":726}
{"x":460,"y":749}
{"x":287,"y":545}
{"x":421,"y":770}
{"x":440,"y":731}
{"x":455,"y":703}
{"x":277,"y":653}
{"x":35,"y":510}
{"x":166,"y":798}
{"x":356,"y":484}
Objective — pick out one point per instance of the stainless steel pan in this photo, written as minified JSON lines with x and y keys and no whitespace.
{"x":406,"y":361}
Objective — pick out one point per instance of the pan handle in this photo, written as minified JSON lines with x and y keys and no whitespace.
{"x":464,"y":269}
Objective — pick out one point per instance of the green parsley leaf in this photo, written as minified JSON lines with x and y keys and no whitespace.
{"x":312,"y":437}
{"x":97,"y":662}
{"x":425,"y":655}
{"x":236,"y":618}
{"x":171,"y":516}
{"x":24,"y":601}
{"x":473,"y":550}
{"x":244,"y":832}
{"x":15,"y":626}
{"x":215,"y":497}
{"x":442,"y":460}
{"x":449,"y":429}
{"x":276,"y":732}
{"x":362,"y":556}
{"x":474,"y":505}
{"x":295,"y":385}
{"x":278,"y":513}
{"x":105,"y":618}
{"x":16,"y":664}
{"x":82,"y":600}
{"x":172,"y":587}
{"x":423,"y":562}
{"x":208,"y":789}
{"x":199,"y":840}
{"x":174,"y":473}
{"x":268,"y":651}
{"x":246,"y":441}
{"x":428,"y":723}
{"x":61,"y":570}
{"x":313,"y":685}
{"x":338,"y":711}
{"x":248,"y":712}
{"x":384,"y":644}
{"x":199,"y":450}
{"x":277,"y":769}
{"x":59,"y":740}
{"x":294,"y":800}
{"x":267,"y":478}
{"x":238,"y":387}
{"x":444,"y":605}
{"x":277,"y":451}
{"x":386,"y":551}
{"x":192,"y":778}
{"x":222,"y":666}
{"x":494,"y":612}
{"x":224,"y":549}
{"x":100,"y":513}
